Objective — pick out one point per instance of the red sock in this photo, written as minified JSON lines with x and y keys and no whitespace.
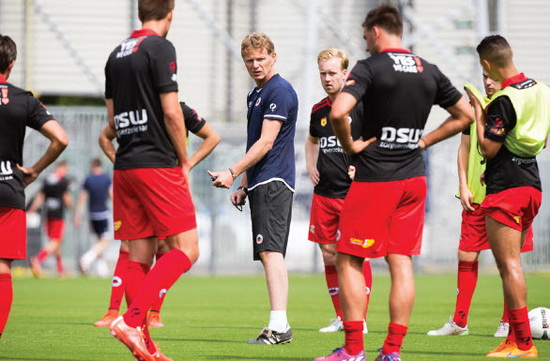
{"x":519,"y":323}
{"x":118,"y":283}
{"x":161,"y":277}
{"x":511,"y":337}
{"x":367,"y":273}
{"x":354,"y":337}
{"x":59,"y":262}
{"x":135,"y":274}
{"x":394,"y":340}
{"x":42,"y":255}
{"x":505,"y":313}
{"x":158,"y":303}
{"x":6,"y":299}
{"x":331,"y":275}
{"x":466,"y":285}
{"x":151,"y":347}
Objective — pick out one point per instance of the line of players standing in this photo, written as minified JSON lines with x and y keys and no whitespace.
{"x":388,"y":191}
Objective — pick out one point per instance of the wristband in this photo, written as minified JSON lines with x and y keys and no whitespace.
{"x":243,"y":188}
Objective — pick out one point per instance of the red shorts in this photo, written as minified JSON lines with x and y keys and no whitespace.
{"x":473,"y":235}
{"x":324,"y":218}
{"x":55,"y":228}
{"x":13,"y":233}
{"x":151,"y":202}
{"x":383,"y":217}
{"x":514,"y":207}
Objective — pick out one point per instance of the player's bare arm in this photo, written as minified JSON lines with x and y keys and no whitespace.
{"x":466,"y":196}
{"x":312,"y":153}
{"x":270,"y":130}
{"x":106,"y":142}
{"x":67,"y":200}
{"x":339,"y":115}
{"x":80,"y":202}
{"x":461,"y":116}
{"x":58,"y":142}
{"x":210,"y":140}
{"x":175,"y":126}
{"x":487,"y":147}
{"x":37,"y":202}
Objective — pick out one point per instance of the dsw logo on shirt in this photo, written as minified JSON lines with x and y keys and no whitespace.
{"x":134,"y":121}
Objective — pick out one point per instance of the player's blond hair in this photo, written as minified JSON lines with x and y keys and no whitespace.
{"x":334,"y":53}
{"x":256,"y":41}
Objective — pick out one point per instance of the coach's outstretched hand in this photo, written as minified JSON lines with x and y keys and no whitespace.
{"x":221,"y":179}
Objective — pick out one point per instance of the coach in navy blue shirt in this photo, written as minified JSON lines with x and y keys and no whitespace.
{"x":270,"y":175}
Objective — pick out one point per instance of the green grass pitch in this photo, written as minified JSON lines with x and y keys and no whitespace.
{"x":211,"y":319}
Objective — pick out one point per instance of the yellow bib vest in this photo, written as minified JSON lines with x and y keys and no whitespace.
{"x":475,"y":159}
{"x":532,"y":107}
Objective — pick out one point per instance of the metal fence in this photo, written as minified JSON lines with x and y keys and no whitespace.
{"x":225,"y":233}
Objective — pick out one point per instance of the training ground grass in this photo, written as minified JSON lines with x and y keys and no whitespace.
{"x":212,"y":318}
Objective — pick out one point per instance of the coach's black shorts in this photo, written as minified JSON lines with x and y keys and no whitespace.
{"x":100,"y":227}
{"x":271,"y":211}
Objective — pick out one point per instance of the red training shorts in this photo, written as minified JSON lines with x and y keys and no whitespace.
{"x":473,"y":235}
{"x":324,"y":218}
{"x":379,"y":218}
{"x":13,"y":233}
{"x":55,"y":228}
{"x":151,"y":202}
{"x":514,"y":207}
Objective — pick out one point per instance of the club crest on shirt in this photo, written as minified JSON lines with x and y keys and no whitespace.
{"x":323,"y":121}
{"x":258,"y":101}
{"x":259,"y":239}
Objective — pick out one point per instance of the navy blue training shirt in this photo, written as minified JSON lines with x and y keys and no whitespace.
{"x":97,"y":186}
{"x":278,"y":101}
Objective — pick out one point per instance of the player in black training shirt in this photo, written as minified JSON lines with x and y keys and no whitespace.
{"x":18,"y":109}
{"x":511,"y":133}
{"x":197,"y":125}
{"x":383,"y":213}
{"x":55,"y":198}
{"x":150,"y":185}
{"x":327,"y":165}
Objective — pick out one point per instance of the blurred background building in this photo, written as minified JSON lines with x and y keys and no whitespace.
{"x":64,"y":44}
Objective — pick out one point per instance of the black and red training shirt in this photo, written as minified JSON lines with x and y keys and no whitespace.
{"x":18,"y":109}
{"x":140,"y":69}
{"x":397,"y":89}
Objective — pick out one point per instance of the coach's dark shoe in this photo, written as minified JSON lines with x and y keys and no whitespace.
{"x":270,"y":337}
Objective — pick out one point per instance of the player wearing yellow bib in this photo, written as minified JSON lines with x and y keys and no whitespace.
{"x":473,"y":236}
{"x":511,"y":132}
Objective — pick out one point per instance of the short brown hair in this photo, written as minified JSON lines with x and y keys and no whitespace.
{"x":154,"y":9}
{"x":334,"y":53}
{"x":8,"y":52}
{"x":256,"y":41}
{"x":495,"y":49}
{"x":386,"y":17}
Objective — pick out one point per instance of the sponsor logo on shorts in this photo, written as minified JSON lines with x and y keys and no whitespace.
{"x":162,"y":292}
{"x":259,"y":239}
{"x":338,"y":235}
{"x":367,"y":290}
{"x":365,"y":243}
{"x":517,"y":219}
{"x":312,"y":228}
{"x":323,"y":121}
{"x":457,"y":291}
{"x":116,"y":282}
{"x":117,"y":225}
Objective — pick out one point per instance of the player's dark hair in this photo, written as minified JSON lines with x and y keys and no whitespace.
{"x":386,"y":17}
{"x":154,"y":9}
{"x":96,"y":162}
{"x":8,"y":52}
{"x":495,"y":49}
